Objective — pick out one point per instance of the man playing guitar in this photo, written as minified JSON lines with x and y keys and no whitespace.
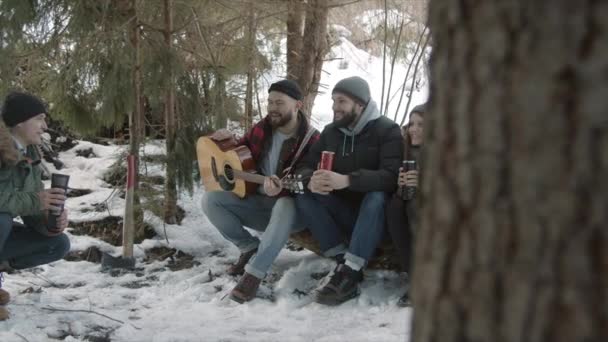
{"x":274,"y":143}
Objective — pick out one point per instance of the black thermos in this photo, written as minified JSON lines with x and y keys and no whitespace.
{"x":409,"y":192}
{"x":59,"y":181}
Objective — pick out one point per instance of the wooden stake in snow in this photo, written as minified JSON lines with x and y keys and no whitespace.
{"x":127,"y":226}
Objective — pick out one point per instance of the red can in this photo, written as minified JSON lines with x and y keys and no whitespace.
{"x":327,"y":160}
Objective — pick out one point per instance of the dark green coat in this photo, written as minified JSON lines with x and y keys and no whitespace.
{"x":19,"y":187}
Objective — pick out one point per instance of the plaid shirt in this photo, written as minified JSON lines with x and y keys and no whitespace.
{"x":257,"y":140}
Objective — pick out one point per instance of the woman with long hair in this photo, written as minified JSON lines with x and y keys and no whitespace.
{"x":401,"y":210}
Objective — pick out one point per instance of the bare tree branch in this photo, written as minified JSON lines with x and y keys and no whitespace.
{"x":23,"y":337}
{"x":50,"y":308}
{"x":407,"y":73}
{"x":390,"y":80}
{"x":409,"y":100}
{"x":343,"y":4}
{"x":384,"y":52}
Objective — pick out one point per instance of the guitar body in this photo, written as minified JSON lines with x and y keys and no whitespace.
{"x":217,"y":159}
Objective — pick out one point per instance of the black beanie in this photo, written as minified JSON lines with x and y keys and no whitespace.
{"x":287,"y":87}
{"x":354,"y":87}
{"x":19,"y":107}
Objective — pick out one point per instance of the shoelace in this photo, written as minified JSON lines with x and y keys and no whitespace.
{"x":248,"y":281}
{"x":338,"y":276}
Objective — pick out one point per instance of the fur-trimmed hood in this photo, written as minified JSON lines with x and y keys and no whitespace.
{"x":8,"y":152}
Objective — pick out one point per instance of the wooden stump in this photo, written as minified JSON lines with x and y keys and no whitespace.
{"x":384,"y":258}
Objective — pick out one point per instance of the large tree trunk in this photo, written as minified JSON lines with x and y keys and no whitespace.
{"x":170,"y":205}
{"x":304,"y":65}
{"x":385,"y":257}
{"x":295,"y":29}
{"x":251,"y":67}
{"x":314,"y":48}
{"x":136,"y":126}
{"x":513,"y":242}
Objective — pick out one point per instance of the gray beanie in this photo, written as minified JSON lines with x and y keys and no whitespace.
{"x":354,"y":87}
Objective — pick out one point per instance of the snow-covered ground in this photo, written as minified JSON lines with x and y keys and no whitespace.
{"x":76,"y":301}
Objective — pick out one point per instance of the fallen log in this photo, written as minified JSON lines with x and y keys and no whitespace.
{"x":384,"y":258}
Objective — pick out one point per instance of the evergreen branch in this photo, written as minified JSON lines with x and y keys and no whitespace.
{"x":203,"y":37}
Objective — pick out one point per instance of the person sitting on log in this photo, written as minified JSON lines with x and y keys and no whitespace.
{"x":350,"y":198}
{"x":22,"y":193}
{"x":274,"y":143}
{"x":401,"y":209}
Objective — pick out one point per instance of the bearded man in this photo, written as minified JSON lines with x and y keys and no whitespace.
{"x":347,"y":203}
{"x":274,"y":143}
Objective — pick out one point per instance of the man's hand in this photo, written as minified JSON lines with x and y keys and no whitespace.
{"x":410,"y":178}
{"x":324,"y":181}
{"x":52,"y":199}
{"x":62,"y":223}
{"x":221,"y":134}
{"x":401,"y":178}
{"x":319,"y":183}
{"x":272,"y":185}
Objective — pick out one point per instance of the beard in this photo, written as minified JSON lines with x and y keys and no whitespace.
{"x":346,"y":119}
{"x":278,"y":119}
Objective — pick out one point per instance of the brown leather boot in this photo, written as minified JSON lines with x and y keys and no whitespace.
{"x":239,"y":267}
{"x":246,"y":288}
{"x":5,"y":297}
{"x":4,"y":315}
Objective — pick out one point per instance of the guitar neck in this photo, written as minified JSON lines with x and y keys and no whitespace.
{"x":248,"y":176}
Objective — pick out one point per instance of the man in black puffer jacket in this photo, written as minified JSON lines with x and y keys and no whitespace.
{"x":350,"y":199}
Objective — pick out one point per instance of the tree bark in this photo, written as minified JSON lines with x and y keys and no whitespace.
{"x":170,"y":206}
{"x":306,"y":50}
{"x":314,"y":49}
{"x":136,"y":127}
{"x":295,"y":29}
{"x":251,"y":70}
{"x":513,"y":243}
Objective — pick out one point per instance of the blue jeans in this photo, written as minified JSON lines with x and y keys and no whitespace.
{"x":330,"y":218}
{"x":275,"y":216}
{"x":23,"y":247}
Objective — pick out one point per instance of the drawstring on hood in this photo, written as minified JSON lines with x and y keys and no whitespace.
{"x":370,"y":113}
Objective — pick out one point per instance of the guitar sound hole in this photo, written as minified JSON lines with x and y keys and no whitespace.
{"x":228,"y":173}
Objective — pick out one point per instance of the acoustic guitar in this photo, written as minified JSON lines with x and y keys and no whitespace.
{"x":227,"y":167}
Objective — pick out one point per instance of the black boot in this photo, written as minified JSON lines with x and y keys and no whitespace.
{"x":342,"y":286}
{"x":404,"y":301}
{"x":339,"y":258}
